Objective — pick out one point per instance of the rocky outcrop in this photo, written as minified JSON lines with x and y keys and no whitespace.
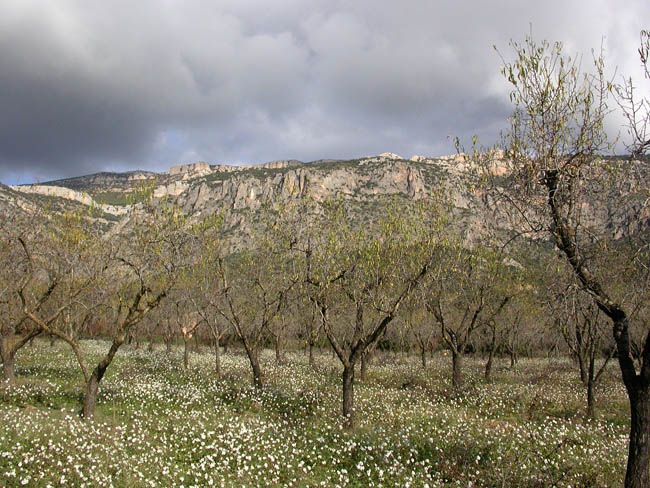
{"x":193,"y":168}
{"x":173,"y":189}
{"x":61,"y":192}
{"x":280,"y":164}
{"x":240,"y":191}
{"x":390,"y":155}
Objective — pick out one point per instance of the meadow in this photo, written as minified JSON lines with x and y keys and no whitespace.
{"x":159,"y":425}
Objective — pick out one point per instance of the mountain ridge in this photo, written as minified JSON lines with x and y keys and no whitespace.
{"x":240,"y":192}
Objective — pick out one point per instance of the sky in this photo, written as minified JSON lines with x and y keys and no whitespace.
{"x":116,"y":85}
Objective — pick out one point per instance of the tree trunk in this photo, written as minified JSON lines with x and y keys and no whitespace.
{"x":348,"y":396}
{"x":278,"y":351}
{"x":590,"y":398}
{"x":168,"y":346}
{"x":8,"y":366}
{"x":90,"y":398}
{"x":257,"y":373}
{"x":584,"y":376}
{"x":186,"y":354}
{"x":253,"y":358}
{"x":312,"y":360}
{"x":423,"y":357}
{"x":217,"y":357}
{"x":590,"y":384}
{"x":488,"y":366}
{"x":492,"y":347}
{"x":639,"y":452}
{"x":456,"y":364}
{"x":513,"y":358}
{"x":365,"y":359}
{"x":92,"y":385}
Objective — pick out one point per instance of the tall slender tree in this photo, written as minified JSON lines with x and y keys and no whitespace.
{"x":559,"y":184}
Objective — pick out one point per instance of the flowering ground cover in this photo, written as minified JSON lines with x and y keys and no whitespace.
{"x":158,"y":425}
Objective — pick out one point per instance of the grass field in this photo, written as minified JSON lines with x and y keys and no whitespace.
{"x":158,"y":425}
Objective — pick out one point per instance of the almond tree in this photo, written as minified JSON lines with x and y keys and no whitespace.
{"x":254,"y":288}
{"x":209,"y":314}
{"x":419,"y":327}
{"x":635,"y":108}
{"x":203,"y":283}
{"x":187,"y":322}
{"x":43,"y":275}
{"x":581,"y":325}
{"x":254,"y":291}
{"x":359,"y":278}
{"x":19,"y":277}
{"x":310,"y":325}
{"x":130,"y":279}
{"x":468,"y":297}
{"x":560,"y":184}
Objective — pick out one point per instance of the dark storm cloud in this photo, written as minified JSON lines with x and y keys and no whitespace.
{"x":88,"y":86}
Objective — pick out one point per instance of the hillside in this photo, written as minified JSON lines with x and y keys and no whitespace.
{"x":367,"y":184}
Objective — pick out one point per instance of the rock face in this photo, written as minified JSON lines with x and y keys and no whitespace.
{"x":367,"y":184}
{"x":194,"y":169}
{"x":61,"y":192}
{"x":390,"y":155}
{"x":284,"y":163}
{"x":173,"y":189}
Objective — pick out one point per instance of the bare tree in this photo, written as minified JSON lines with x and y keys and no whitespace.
{"x":635,"y":108}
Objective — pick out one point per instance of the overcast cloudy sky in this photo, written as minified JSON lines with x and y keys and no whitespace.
{"x":88,"y":86}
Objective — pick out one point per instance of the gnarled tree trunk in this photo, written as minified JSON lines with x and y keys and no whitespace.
{"x":92,"y":391}
{"x":8,"y":365}
{"x":456,"y":366}
{"x":254,"y":360}
{"x":186,"y":353}
{"x":638,"y":451}
{"x":348,"y":396}
{"x":9,"y":346}
{"x":92,"y":383}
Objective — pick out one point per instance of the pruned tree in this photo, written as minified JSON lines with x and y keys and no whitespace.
{"x":359,"y":278}
{"x":469,"y":296}
{"x":130,"y":278}
{"x":255,"y":286}
{"x":419,"y":326}
{"x":580,"y":322}
{"x":46,"y":268}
